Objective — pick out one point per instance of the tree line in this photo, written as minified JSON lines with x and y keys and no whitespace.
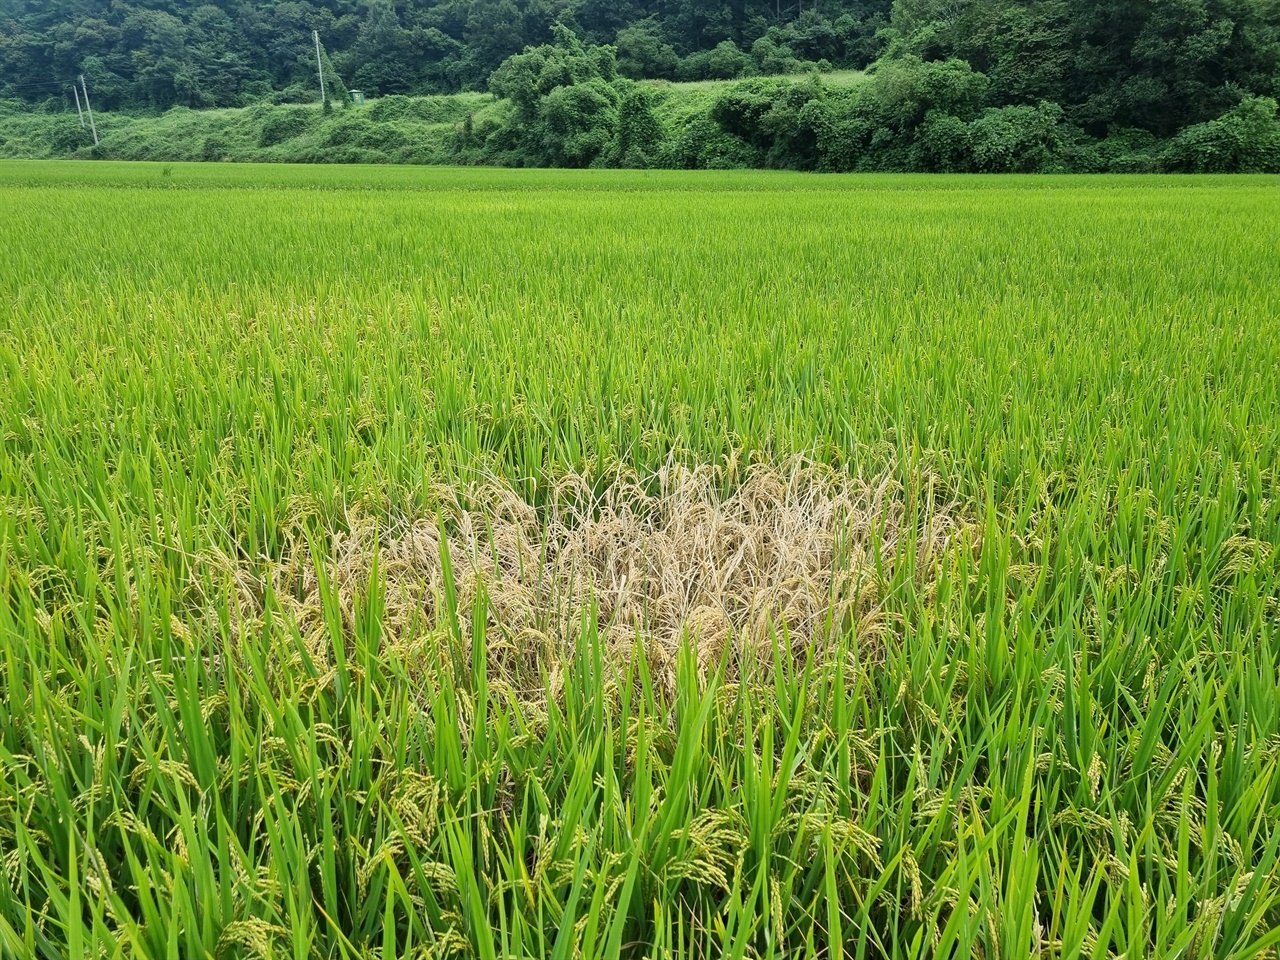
{"x":570,"y":107}
{"x":204,"y":53}
{"x":952,"y":84}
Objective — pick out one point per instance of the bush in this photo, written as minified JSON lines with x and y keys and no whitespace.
{"x":1245,"y":139}
{"x":1123,"y":150}
{"x":770,"y":115}
{"x":725,"y":62}
{"x":283,"y":123}
{"x":772,"y":59}
{"x":358,"y":131}
{"x":702,"y":144}
{"x":296,"y":93}
{"x":529,"y":76}
{"x":348,"y":130}
{"x":1018,"y":140}
{"x":740,"y":109}
{"x":214,"y":148}
{"x":435,"y":109}
{"x":68,"y":137}
{"x":843,"y":124}
{"x":907,"y":90}
{"x":942,"y":145}
{"x":639,"y":135}
{"x":576,"y":123}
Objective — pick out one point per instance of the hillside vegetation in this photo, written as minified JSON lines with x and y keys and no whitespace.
{"x":962,"y":85}
{"x":565,"y":104}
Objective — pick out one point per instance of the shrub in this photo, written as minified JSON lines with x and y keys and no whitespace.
{"x":769,"y":114}
{"x":907,"y":90}
{"x":434,"y":109}
{"x":1245,"y":139}
{"x":213,"y":148}
{"x":772,"y":59}
{"x":296,"y":93}
{"x":942,"y":145}
{"x":348,"y":130}
{"x":725,"y":62}
{"x":1123,"y":150}
{"x":283,"y":123}
{"x":576,"y":123}
{"x":1018,"y":140}
{"x":639,"y":135}
{"x":68,"y":137}
{"x":527,"y":77}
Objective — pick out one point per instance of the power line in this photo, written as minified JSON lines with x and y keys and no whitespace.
{"x":55,"y":84}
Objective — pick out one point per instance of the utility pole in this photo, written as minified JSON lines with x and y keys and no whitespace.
{"x":315,"y":34}
{"x":79,"y":112}
{"x":92,"y":125}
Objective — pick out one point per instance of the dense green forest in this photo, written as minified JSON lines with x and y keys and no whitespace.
{"x":163,"y":53}
{"x":950,"y":85}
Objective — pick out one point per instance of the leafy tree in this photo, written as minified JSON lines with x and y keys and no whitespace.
{"x":526,"y":78}
{"x":642,"y":52}
{"x":382,"y":56}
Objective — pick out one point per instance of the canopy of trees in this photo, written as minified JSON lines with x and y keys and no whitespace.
{"x":153,"y":54}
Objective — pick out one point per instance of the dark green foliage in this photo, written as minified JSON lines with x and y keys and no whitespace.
{"x":426,"y":109}
{"x":1062,"y":75}
{"x":1017,"y":140}
{"x":772,"y":59}
{"x":565,"y":97}
{"x":1245,"y":139}
{"x":576,"y":122}
{"x":907,"y":90}
{"x":724,"y":62}
{"x":1108,"y":63}
{"x":214,"y":148}
{"x":639,"y":133}
{"x":1135,"y":63}
{"x":67,"y":136}
{"x":156,"y":54}
{"x":767,"y":115}
{"x":703,"y":144}
{"x":643,"y":52}
{"x":530,"y":76}
{"x":965,"y":86}
{"x":283,"y":123}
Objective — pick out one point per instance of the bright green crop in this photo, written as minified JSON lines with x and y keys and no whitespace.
{"x":270,"y":685}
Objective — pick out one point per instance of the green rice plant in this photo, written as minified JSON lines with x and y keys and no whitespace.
{"x":407,"y":563}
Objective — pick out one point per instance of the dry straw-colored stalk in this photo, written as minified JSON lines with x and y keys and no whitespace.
{"x":794,"y":554}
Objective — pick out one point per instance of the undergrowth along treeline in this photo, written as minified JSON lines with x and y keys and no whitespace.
{"x":570,"y":104}
{"x":286,"y":450}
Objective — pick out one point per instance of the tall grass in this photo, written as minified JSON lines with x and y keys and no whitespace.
{"x":1054,"y":731}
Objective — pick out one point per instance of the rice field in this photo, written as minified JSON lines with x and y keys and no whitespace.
{"x":452,"y":563}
